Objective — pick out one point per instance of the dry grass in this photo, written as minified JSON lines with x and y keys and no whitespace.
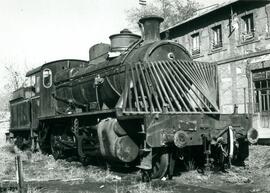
{"x":146,"y":188}
{"x":7,"y":167}
{"x":43,"y":168}
{"x":30,"y":190}
{"x":190,"y":165}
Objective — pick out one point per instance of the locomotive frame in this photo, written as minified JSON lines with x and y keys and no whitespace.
{"x":137,"y":102}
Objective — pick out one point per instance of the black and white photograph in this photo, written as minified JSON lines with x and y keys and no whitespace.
{"x":135,"y":96}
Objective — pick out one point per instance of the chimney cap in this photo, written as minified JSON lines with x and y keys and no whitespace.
{"x":147,"y":17}
{"x":125,"y":31}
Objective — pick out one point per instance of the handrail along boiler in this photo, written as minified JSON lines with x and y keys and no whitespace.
{"x":140,"y":101}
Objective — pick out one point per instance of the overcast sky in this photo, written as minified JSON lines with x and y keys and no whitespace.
{"x":36,"y":31}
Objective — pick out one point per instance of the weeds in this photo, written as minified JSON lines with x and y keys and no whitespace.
{"x":139,"y":188}
{"x":147,"y":188}
{"x":190,"y":165}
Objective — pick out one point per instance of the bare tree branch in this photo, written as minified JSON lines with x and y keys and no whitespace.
{"x":15,"y":78}
{"x":173,"y":11}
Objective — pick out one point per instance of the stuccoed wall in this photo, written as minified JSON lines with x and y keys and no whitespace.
{"x":235,"y":54}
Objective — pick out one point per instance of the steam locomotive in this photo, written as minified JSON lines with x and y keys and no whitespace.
{"x":138,"y":102}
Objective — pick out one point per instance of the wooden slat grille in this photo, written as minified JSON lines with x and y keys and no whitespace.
{"x":170,"y":87}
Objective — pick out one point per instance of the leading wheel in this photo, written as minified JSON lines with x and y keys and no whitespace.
{"x":160,"y":163}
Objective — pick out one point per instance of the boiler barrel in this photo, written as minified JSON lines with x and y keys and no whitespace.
{"x":84,"y":90}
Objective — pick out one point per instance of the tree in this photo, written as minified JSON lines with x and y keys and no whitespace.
{"x":173,"y":11}
{"x":16,"y":79}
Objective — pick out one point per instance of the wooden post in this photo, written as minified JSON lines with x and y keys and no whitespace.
{"x":19,"y":173}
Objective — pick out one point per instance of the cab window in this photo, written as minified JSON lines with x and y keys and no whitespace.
{"x":32,"y":81}
{"x":31,"y":89}
{"x":47,"y":78}
{"x":37,"y":85}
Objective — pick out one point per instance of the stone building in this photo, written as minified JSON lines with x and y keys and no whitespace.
{"x":236,"y":35}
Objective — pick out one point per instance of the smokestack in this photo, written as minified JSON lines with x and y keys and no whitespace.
{"x":151,"y":28}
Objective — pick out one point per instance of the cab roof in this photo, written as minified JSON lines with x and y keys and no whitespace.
{"x":33,"y":71}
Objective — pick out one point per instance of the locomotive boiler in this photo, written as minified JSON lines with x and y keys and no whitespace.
{"x":139,"y":101}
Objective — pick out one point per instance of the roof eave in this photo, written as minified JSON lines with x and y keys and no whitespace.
{"x":204,"y":13}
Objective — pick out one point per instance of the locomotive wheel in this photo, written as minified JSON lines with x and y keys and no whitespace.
{"x":56,"y":148}
{"x":160,"y":164}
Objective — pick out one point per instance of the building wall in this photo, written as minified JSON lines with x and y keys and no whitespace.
{"x":235,"y":54}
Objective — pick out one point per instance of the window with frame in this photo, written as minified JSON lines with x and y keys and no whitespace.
{"x":217,"y":37}
{"x":195,"y":43}
{"x":47,"y":78}
{"x":248,"y":27}
{"x":261,"y":83}
{"x":37,"y":85}
{"x":32,"y":80}
{"x":32,"y":85}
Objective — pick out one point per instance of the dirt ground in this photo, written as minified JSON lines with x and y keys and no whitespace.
{"x":43,"y":174}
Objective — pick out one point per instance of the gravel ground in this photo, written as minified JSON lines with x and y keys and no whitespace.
{"x":64,"y":176}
